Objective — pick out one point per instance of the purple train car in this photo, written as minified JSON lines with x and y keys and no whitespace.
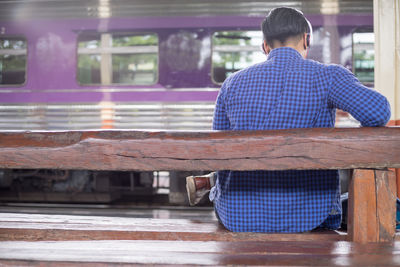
{"x":157,"y":64}
{"x":148,"y":64}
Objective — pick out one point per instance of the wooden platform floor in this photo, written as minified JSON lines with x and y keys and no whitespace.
{"x":97,"y":253}
{"x":125,"y":210}
{"x":28,"y":239}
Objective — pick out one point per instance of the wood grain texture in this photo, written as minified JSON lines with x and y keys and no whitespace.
{"x":386,"y":204}
{"x":326,"y":148}
{"x":372,"y":206}
{"x":39,"y":227}
{"x":362,"y":222}
{"x":189,"y":253}
{"x":397,"y":173}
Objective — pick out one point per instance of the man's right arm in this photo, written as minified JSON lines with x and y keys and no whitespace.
{"x":347,"y":93}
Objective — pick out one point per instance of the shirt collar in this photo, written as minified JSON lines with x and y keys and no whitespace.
{"x":286,"y":52}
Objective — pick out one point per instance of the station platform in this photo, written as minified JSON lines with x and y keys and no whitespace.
{"x":127,"y":252}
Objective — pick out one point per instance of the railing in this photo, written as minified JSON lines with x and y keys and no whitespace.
{"x":368,"y":150}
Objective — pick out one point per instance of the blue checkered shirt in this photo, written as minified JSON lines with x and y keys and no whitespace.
{"x":287,"y":91}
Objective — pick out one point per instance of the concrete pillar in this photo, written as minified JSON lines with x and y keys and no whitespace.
{"x":387,"y":57}
{"x":387,"y":53}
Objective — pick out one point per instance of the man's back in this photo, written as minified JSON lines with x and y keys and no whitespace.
{"x":285,"y":92}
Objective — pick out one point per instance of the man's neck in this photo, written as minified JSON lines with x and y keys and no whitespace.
{"x":299,"y":47}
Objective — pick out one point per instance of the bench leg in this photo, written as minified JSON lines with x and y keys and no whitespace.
{"x":372,"y":206}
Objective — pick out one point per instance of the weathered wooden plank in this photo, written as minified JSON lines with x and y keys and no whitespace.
{"x":26,"y":234}
{"x":362,"y":222}
{"x":397,"y":173}
{"x":327,"y":148}
{"x":36,"y":227}
{"x":111,"y":253}
{"x":386,"y":204}
{"x":372,"y":206}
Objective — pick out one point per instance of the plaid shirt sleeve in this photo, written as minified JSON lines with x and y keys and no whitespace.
{"x":347,"y":93}
{"x":221,"y":120}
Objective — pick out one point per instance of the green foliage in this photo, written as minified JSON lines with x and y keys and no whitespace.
{"x":125,"y":67}
{"x":363,"y":55}
{"x":133,"y":67}
{"x":121,"y":62}
{"x":123,"y":41}
{"x":87,"y":64}
{"x":12,"y":63}
{"x":231,"y":38}
{"x":236,"y":38}
{"x":363,"y":65}
{"x":89,"y":44}
{"x":12,"y":43}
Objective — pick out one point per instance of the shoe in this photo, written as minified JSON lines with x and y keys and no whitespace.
{"x":198,"y":186}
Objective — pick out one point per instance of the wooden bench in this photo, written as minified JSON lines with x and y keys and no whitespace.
{"x":370,"y":151}
{"x":54,"y":227}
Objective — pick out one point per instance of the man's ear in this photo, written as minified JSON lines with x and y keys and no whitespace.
{"x":266,"y":48}
{"x":306,"y":41}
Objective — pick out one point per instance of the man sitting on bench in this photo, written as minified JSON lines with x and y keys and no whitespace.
{"x":286,"y":91}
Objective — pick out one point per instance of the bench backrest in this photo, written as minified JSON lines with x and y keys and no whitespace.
{"x":322,"y":148}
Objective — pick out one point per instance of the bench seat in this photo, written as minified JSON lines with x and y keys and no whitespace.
{"x":35,"y":227}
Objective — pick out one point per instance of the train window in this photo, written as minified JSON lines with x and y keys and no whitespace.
{"x":12,"y":60}
{"x":363,"y":56}
{"x":106,"y":59}
{"x":234,"y":50}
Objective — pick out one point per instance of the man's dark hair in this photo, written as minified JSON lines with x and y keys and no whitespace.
{"x":282,"y":23}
